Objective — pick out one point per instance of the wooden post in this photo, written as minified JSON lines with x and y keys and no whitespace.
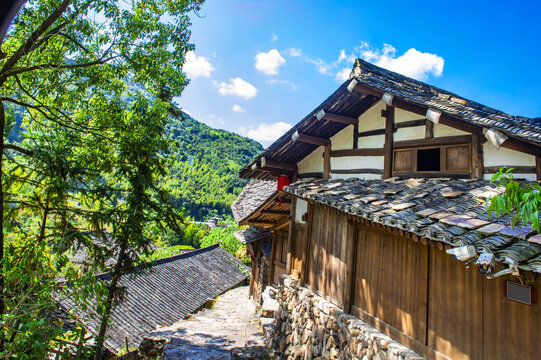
{"x":388,"y":147}
{"x":291,"y":234}
{"x":538,"y":167}
{"x":327,"y":163}
{"x":429,"y":130}
{"x":351,"y":256}
{"x":356,"y":136}
{"x":478,"y":168}
{"x":308,"y":239}
{"x":273,"y":255}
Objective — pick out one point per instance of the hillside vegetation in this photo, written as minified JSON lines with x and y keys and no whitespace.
{"x":203,"y":175}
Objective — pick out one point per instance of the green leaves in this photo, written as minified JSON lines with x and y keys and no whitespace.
{"x":522,"y":199}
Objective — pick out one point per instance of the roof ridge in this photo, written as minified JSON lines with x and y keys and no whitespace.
{"x":161,"y":261}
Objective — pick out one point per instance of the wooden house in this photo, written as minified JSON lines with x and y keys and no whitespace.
{"x":390,"y":178}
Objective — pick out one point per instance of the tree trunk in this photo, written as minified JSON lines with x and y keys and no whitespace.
{"x":2,"y":305}
{"x":109,"y":301}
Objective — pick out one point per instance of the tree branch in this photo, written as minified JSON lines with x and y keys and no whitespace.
{"x":56,"y":66}
{"x":18,"y":148}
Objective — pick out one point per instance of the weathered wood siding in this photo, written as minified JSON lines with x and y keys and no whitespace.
{"x":415,"y":293}
{"x":299,"y":245}
{"x":455,"y":316}
{"x":279,"y":241}
{"x":391,"y":280}
{"x":327,"y":253}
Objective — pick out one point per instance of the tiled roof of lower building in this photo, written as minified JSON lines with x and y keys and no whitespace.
{"x":444,"y":210}
{"x":166,"y":292}
{"x":253,"y":196}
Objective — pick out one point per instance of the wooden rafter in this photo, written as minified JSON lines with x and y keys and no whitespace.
{"x":275,"y":212}
{"x":322,"y":115}
{"x":278,"y":164}
{"x":310,"y":139}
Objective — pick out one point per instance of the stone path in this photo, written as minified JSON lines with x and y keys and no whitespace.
{"x":213,"y":333}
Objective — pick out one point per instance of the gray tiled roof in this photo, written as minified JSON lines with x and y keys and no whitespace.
{"x":253,"y":196}
{"x":420,"y":93}
{"x":250,"y":235}
{"x":444,"y":210}
{"x":165,"y":293}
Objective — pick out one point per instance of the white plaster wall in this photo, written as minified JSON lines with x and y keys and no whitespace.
{"x":371,"y":119}
{"x":403,"y":115}
{"x":376,"y":141}
{"x":357,"y":162}
{"x":312,"y":163}
{"x":411,"y":133}
{"x":300,"y":209}
{"x":359,"y":176}
{"x":507,"y":157}
{"x":343,"y":139}
{"x":443,"y":130}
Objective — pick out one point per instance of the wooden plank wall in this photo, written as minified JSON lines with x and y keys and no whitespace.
{"x":279,"y":239}
{"x":455,"y":316}
{"x":416,"y":293}
{"x":299,"y":244}
{"x":326,"y":270}
{"x":391,"y":280}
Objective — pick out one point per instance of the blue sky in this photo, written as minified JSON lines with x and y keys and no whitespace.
{"x":261,"y":66}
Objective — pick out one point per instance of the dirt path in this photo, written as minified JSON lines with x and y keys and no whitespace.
{"x":212,"y":333}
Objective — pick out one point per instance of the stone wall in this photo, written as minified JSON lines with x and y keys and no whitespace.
{"x":309,"y":327}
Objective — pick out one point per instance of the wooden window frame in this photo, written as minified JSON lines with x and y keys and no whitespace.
{"x":443,"y":156}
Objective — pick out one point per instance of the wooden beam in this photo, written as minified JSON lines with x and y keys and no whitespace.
{"x":280,"y":225}
{"x":477,"y":157}
{"x":447,"y":140}
{"x":372,"y":133}
{"x":310,"y":139}
{"x":272,"y":171}
{"x":517,"y":145}
{"x":516,"y":169}
{"x":308,"y":238}
{"x":261,"y":222}
{"x":358,"y":152}
{"x":284,"y":201}
{"x":388,"y":146}
{"x":278,"y":164}
{"x":275,"y":212}
{"x":273,"y":256}
{"x":291,"y":235}
{"x":322,"y":115}
{"x":357,"y":171}
{"x":327,"y":163}
{"x":317,"y":175}
{"x":410,"y":123}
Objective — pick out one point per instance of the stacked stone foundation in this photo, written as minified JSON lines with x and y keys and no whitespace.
{"x":309,"y":327}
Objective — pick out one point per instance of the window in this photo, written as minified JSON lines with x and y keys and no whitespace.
{"x":433,"y":159}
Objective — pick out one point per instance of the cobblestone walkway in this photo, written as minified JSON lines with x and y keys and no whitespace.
{"x":212,"y":333}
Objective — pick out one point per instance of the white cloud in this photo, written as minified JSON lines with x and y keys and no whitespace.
{"x":282,"y":82}
{"x":269,"y":62}
{"x":237,"y":87}
{"x":412,"y":63}
{"x":342,"y":75}
{"x":274,"y":38}
{"x":266,"y":133}
{"x":294,"y":52}
{"x":238,"y":108}
{"x":197,"y":66}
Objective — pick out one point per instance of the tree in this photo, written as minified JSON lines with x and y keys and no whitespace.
{"x":522,"y":199}
{"x":85,"y":173}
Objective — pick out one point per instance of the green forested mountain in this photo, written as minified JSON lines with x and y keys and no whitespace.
{"x":203,"y":175}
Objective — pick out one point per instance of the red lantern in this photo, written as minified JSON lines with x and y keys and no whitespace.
{"x":283,"y":180}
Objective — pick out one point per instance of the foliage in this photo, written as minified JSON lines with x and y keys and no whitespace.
{"x":523,"y":199}
{"x":166,"y":252}
{"x":204,"y":167}
{"x":227,"y":241}
{"x":84,"y":169}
